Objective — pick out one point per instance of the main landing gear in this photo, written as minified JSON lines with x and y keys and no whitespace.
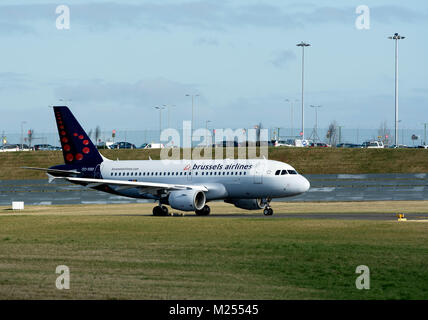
{"x":160,"y":211}
{"x":204,"y":211}
{"x":268,"y":211}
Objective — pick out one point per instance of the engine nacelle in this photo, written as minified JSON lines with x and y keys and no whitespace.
{"x":187,"y":200}
{"x":248,"y":204}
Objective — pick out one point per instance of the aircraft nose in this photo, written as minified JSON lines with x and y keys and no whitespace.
{"x":304,"y":185}
{"x":307,"y":184}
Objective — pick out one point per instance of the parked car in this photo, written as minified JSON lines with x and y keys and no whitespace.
{"x":9,"y":147}
{"x":44,"y":147}
{"x":122,"y":145}
{"x":152,"y":146}
{"x":280,"y":143}
{"x":373,"y":144}
{"x":319,"y":144}
{"x":349,"y":145}
{"x":393,"y":146}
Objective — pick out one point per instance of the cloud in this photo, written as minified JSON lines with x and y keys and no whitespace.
{"x":206,"y":41}
{"x":392,"y":14}
{"x":13,"y":81}
{"x":282,"y":58}
{"x":144,"y":92}
{"x":204,"y":15}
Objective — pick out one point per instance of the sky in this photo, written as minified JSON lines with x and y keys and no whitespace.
{"x":120,"y":59}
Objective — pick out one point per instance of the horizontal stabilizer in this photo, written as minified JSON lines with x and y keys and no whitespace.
{"x":47,"y":170}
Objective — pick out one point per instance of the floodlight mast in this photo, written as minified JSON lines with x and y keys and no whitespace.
{"x":303,"y":45}
{"x":396,"y":37}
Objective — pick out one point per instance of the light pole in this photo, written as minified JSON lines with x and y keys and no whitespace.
{"x":340,"y":134}
{"x":316,"y":120}
{"x":160,"y":121}
{"x":206,"y":130}
{"x":303,"y":45}
{"x":191,"y":127}
{"x":425,"y":133}
{"x":169,"y":109}
{"x":396,"y":37}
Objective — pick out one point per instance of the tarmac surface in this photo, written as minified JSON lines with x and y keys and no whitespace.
{"x":411,"y":217}
{"x":330,"y":188}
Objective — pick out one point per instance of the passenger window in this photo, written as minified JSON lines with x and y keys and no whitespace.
{"x":240,"y":173}
{"x":169,"y":173}
{"x":196,"y":173}
{"x":283,"y":172}
{"x":181,"y":173}
{"x":185,"y":173}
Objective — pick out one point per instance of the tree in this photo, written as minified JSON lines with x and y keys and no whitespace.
{"x":332,"y":133}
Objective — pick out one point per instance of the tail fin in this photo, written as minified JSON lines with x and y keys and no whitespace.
{"x":77,"y":148}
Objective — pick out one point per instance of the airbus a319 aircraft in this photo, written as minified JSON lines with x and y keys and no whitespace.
{"x":186,"y":185}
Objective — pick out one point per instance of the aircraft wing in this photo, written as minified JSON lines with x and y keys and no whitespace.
{"x":145,"y":187}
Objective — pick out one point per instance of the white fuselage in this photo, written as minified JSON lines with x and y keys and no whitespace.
{"x":224,"y":179}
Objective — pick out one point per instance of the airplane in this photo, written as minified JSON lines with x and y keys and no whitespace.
{"x":186,"y":185}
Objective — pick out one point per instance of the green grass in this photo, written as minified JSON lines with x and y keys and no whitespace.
{"x":113,"y":254}
{"x":306,"y":160}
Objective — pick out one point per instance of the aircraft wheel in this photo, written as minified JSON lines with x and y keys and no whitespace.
{"x":159,"y":211}
{"x":268,"y":211}
{"x":164,"y":210}
{"x":205,"y":211}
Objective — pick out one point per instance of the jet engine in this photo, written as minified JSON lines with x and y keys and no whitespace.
{"x":248,"y":204}
{"x":187,"y":200}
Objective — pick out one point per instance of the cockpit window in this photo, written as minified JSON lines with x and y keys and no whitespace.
{"x":277,"y":172}
{"x":292,"y":171}
{"x":283,"y":172}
